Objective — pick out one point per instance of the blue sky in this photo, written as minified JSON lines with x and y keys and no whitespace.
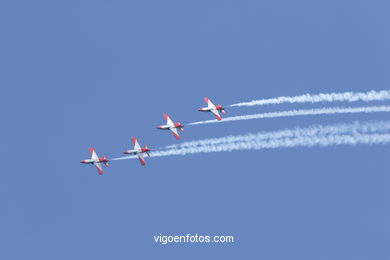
{"x":95,"y":73}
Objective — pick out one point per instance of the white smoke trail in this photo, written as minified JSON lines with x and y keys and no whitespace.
{"x":301,"y":112}
{"x":340,"y":134}
{"x":306,"y":141}
{"x":124,"y":158}
{"x":318,"y":130}
{"x":329,"y":97}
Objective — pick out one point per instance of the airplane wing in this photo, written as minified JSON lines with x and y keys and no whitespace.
{"x":169,"y":121}
{"x":94,"y":156}
{"x":136,"y":144}
{"x":215,"y":112}
{"x":141,"y":159}
{"x":174,"y":132}
{"x":209,"y":103}
{"x":98,"y":167}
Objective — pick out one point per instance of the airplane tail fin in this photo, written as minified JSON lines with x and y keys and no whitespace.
{"x":106,"y":162}
{"x":221,"y":108}
{"x":147,"y":150}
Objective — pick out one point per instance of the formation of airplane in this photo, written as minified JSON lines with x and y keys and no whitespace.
{"x":138,"y":150}
{"x":95,"y":160}
{"x":172,"y":126}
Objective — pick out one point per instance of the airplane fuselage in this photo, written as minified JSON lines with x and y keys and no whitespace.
{"x":209,"y":109}
{"x":133,"y":151}
{"x":164,"y":127}
{"x":167,"y":127}
{"x":92,"y":161}
{"x":204,"y":109}
{"x":89,"y":161}
{"x":137,"y":151}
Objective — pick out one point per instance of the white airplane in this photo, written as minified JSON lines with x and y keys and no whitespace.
{"x":212,"y":108}
{"x":138,"y":150}
{"x":171,"y":126}
{"x":95,"y":160}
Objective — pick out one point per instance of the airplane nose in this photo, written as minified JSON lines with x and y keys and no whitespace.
{"x":82,"y":161}
{"x":125,"y":152}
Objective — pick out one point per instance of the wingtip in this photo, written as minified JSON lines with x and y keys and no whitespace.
{"x":141,"y":161}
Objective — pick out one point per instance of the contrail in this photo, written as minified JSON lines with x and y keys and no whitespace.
{"x":319,"y":135}
{"x":329,"y":97}
{"x":301,"y":112}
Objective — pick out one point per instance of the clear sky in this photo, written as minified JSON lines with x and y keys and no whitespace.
{"x":76,"y":74}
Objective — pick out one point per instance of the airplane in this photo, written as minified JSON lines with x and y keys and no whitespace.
{"x":171,"y":126}
{"x":95,"y":160}
{"x":138,"y":150}
{"x":212,"y":108}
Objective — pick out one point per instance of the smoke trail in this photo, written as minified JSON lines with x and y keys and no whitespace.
{"x":318,"y":130}
{"x":306,"y":141}
{"x":319,"y":135}
{"x":124,"y":158}
{"x":301,"y":112}
{"x":330,"y":97}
